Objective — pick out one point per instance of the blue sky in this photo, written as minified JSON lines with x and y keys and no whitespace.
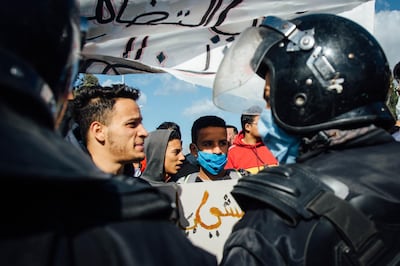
{"x":165,"y":98}
{"x":387,"y":5}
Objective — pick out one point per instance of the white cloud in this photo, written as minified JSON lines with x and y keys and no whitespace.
{"x":387,"y":32}
{"x":202,"y":107}
{"x":142,"y":99}
{"x":110,"y":82}
{"x":168,"y":84}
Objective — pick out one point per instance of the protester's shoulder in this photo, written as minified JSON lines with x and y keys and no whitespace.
{"x":190,"y":178}
{"x":186,"y":168}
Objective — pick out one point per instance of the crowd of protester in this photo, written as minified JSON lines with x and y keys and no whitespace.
{"x":100,"y":188}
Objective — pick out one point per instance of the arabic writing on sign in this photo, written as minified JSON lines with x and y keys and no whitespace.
{"x":214,"y":211}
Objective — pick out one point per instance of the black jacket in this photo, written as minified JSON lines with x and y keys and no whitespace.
{"x":57,"y":208}
{"x":368,"y":166}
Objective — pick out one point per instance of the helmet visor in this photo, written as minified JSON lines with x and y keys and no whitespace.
{"x":236,"y":85}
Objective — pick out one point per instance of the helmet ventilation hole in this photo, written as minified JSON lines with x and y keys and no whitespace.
{"x":300,"y":99}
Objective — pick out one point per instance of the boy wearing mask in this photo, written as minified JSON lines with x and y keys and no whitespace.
{"x":210,"y":147}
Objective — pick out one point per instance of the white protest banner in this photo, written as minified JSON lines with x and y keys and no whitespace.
{"x":184,"y":37}
{"x":209,"y":213}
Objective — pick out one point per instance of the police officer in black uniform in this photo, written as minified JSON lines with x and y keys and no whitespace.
{"x":56,"y":207}
{"x":339,"y":204}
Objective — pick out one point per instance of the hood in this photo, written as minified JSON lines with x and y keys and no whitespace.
{"x":155,"y":146}
{"x":238,"y":141}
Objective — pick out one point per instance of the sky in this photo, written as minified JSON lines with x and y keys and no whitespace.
{"x":165,"y":98}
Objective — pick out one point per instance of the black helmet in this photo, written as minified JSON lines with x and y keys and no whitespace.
{"x":39,"y":50}
{"x":326,"y":72}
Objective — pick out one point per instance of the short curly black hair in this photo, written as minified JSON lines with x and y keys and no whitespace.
{"x":93,"y":103}
{"x":206,"y":121}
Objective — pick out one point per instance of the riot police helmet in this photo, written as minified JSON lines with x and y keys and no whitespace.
{"x":325,"y":72}
{"x":39,"y":50}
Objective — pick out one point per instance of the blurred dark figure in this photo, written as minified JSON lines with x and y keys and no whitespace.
{"x":57,"y":207}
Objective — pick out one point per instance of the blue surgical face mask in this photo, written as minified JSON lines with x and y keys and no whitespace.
{"x":213,"y":163}
{"x":283,"y":146}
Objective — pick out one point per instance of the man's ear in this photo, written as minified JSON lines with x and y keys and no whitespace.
{"x":247,"y":127}
{"x":97,"y":131}
{"x":193,"y":149}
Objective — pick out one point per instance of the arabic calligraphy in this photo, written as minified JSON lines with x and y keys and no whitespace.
{"x":214,"y":211}
{"x":105,"y":15}
{"x":106,"y":12}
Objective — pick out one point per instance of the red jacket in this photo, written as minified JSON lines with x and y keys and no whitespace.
{"x":251,"y":157}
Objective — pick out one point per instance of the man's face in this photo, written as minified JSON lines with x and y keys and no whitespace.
{"x":213,"y":140}
{"x":173,"y":157}
{"x":253,"y":127}
{"x":125,"y":132}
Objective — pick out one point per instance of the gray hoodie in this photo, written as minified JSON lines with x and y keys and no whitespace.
{"x":155,"y":146}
